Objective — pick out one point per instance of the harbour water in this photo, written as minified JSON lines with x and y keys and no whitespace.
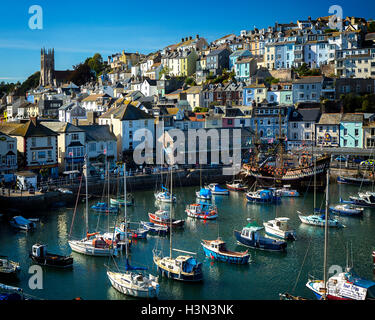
{"x":267,"y":274}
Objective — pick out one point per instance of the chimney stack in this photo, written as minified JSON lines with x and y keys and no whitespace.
{"x":197,"y":36}
{"x":186,"y":39}
{"x":190,"y":38}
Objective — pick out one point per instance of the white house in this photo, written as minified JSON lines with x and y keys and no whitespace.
{"x":71,"y":111}
{"x":301,"y":130}
{"x":149,"y":88}
{"x":125,"y":119}
{"x":100,"y":146}
{"x":36,"y":144}
{"x":71,"y":145}
{"x":8,"y":154}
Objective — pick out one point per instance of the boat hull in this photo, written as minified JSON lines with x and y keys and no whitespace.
{"x":187,"y":277}
{"x":225,"y":257}
{"x":353,"y":181}
{"x":285,"y":235}
{"x":318,"y":222}
{"x":150,"y":292}
{"x":355,"y":213}
{"x":175,"y":223}
{"x":262,"y":244}
{"x":86,"y":249}
{"x":53,"y":261}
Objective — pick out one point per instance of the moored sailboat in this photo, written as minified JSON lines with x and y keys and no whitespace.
{"x":131,"y":281}
{"x":93,"y":244}
{"x":183,"y":267}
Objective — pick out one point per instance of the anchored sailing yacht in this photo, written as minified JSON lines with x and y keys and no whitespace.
{"x":93,"y":244}
{"x":129,"y":282}
{"x":184,"y":267}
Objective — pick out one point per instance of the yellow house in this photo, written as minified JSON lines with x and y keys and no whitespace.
{"x":269,"y":56}
{"x":188,"y":63}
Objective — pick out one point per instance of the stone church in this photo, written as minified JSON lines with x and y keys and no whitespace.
{"x":48,"y":75}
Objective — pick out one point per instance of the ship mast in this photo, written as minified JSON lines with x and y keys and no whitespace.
{"x":324,"y":296}
{"x":281,"y":145}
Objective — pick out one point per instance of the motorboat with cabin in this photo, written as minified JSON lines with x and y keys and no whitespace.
{"x":216,"y":249}
{"x":279,"y":227}
{"x":41,"y":256}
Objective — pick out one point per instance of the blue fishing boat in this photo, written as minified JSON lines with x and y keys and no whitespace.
{"x":216,"y":249}
{"x":250,"y":237}
{"x":346,"y":210}
{"x":263,"y":196}
{"x":204,"y":194}
{"x":22,"y":223}
{"x":102,"y":207}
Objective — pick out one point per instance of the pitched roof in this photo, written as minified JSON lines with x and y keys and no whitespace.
{"x":29,"y":129}
{"x":98,"y":133}
{"x":61,"y":127}
{"x":126,"y":111}
{"x":311,"y":115}
{"x":309,"y":79}
{"x":330,"y":118}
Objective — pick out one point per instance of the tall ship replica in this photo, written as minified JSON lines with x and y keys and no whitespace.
{"x":299,"y":171}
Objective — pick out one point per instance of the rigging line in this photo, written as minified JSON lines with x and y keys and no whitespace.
{"x":75,"y":208}
{"x":303,"y":262}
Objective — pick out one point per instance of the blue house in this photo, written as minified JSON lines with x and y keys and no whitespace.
{"x":351,"y":131}
{"x":235,"y":55}
{"x":266,"y":119}
{"x":307,"y":89}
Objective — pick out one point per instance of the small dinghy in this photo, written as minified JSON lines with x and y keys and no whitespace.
{"x":216,"y":249}
{"x":8,"y":268}
{"x":40,"y":255}
{"x":22,"y":223}
{"x":155,"y":229}
{"x":216,"y":190}
{"x":346,"y":210}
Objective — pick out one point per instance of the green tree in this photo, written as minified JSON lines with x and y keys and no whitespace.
{"x":81,"y":74}
{"x":371,"y":27}
{"x":95,"y":63}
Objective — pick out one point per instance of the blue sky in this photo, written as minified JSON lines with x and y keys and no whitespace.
{"x":78,"y":29}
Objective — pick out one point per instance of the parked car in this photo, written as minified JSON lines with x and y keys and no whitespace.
{"x":341,"y":158}
{"x":358,"y":160}
{"x":369,"y":162}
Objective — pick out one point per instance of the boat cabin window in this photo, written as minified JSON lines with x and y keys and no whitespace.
{"x":245,"y":233}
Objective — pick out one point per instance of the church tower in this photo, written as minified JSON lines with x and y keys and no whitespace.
{"x":47,"y":67}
